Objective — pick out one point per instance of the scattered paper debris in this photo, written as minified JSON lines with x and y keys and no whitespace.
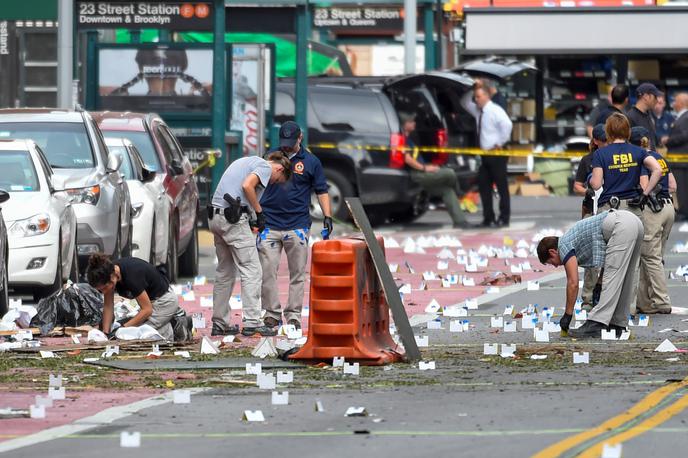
{"x":253,"y":416}
{"x":356,"y":412}
{"x":208,"y":347}
{"x":265,"y":348}
{"x":581,"y":358}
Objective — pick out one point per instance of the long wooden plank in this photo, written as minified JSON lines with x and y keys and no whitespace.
{"x":389,"y":286}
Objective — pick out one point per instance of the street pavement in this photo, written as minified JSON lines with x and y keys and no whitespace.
{"x":471,"y":405}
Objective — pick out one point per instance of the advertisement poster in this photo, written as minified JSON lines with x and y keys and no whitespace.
{"x":249,"y":89}
{"x":155,"y":79}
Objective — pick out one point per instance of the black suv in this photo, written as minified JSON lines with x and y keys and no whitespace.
{"x":355,"y":133}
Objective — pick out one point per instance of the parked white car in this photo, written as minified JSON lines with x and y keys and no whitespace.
{"x":40,"y":220}
{"x":150,"y":205}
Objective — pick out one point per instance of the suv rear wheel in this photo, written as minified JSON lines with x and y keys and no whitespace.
{"x":338,"y":188}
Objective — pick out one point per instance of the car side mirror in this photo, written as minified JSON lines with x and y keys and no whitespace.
{"x":57,"y":183}
{"x":147,"y":175}
{"x":114,"y":162}
{"x":176,"y":167}
{"x":4,"y":196}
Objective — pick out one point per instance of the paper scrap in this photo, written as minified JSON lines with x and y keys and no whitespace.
{"x":208,"y":347}
{"x":253,"y":415}
{"x":538,"y":356}
{"x":581,"y":358}
{"x":319,"y":406}
{"x":426,"y":366}
{"x":666,"y":347}
{"x":181,"y":397}
{"x":130,"y":440}
{"x":356,"y":412}
{"x":433,"y":307}
{"x":280,"y":399}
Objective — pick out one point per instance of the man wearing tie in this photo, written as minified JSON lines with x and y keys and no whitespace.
{"x":494,"y":130}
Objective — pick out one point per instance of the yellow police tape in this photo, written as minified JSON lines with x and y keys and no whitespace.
{"x":673,"y":158}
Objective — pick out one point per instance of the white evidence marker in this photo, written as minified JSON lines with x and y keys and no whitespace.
{"x":455,"y":326}
{"x":489,"y":349}
{"x":453,"y":311}
{"x":508,"y":310}
{"x":471,"y":304}
{"x":198,"y":320}
{"x":541,"y":335}
{"x":183,"y":354}
{"x":266,"y":381}
{"x":468,"y":281}
{"x":206,"y":302}
{"x":235,"y":303}
{"x":422,"y":341}
{"x":442,"y":265}
{"x":429,"y":275}
{"x":319,"y":406}
{"x":510,"y":326}
{"x":643,"y":320}
{"x":130,"y":440}
{"x":533,"y":286}
{"x":56,"y":394}
{"x":426,"y":366}
{"x":508,"y":350}
{"x":356,"y":412}
{"x":208,"y":347}
{"x":351,"y":368}
{"x":608,"y":335}
{"x":55,"y":380}
{"x":181,"y":397}
{"x":285,"y":377}
{"x":528,"y":321}
{"x":625,"y":335}
{"x":47,"y":354}
{"x":434,"y":324}
{"x":338,"y":361}
{"x":446,"y":283}
{"x":471,"y":268}
{"x":581,"y":315}
{"x":280,"y":399}
{"x":516,"y":269}
{"x":253,"y":415}
{"x":496,"y":322}
{"x":611,"y":450}
{"x":37,"y":411}
{"x":433,"y":307}
{"x":581,"y":358}
{"x":551,"y":327}
{"x":393,"y":268}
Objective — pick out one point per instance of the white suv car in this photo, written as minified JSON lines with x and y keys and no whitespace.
{"x":75,"y":149}
{"x":40,"y":220}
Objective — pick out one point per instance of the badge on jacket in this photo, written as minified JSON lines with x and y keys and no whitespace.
{"x":298,"y":168}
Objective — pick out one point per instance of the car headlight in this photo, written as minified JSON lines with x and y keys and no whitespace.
{"x":136,"y":209}
{"x":36,"y":225}
{"x":88,"y":195}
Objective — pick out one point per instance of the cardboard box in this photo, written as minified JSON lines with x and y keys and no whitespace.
{"x":513,"y":107}
{"x":533,"y":190}
{"x":528,"y":108}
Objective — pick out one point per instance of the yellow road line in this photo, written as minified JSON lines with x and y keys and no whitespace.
{"x":650,"y":423}
{"x":644,"y":405}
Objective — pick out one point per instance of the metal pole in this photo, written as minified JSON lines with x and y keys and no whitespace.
{"x":65,"y":53}
{"x":410,"y":24}
{"x":428,"y":38}
{"x":219,"y":113}
{"x":302,"y":33}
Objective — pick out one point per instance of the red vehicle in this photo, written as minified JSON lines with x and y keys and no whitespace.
{"x":161,"y":152}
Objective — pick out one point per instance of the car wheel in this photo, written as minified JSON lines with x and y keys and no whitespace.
{"x":338,"y":188}
{"x":172,"y":261}
{"x":188,"y":264}
{"x":57,"y":283}
{"x":4,"y":294}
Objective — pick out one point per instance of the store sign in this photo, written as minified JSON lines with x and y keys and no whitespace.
{"x":359,"y":17}
{"x":151,"y":15}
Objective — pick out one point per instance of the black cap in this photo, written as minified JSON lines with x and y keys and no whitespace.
{"x":637,"y":134}
{"x":289,"y":134}
{"x":648,"y":88}
{"x":598,"y":133}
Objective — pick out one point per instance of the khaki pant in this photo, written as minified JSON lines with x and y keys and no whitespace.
{"x":623,"y":232}
{"x":235,"y":246}
{"x":653,"y":295}
{"x":165,"y":309}
{"x":295,"y":244}
{"x":590,"y":276}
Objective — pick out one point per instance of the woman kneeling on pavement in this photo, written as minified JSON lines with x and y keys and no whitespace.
{"x":134,"y":278}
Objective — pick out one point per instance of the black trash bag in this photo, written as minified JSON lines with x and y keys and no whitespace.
{"x":77,"y":305}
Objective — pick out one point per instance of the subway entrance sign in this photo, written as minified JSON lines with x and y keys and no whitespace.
{"x":173,"y":15}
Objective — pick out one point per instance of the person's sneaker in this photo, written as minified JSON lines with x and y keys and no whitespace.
{"x":231,"y":331}
{"x":295,"y":323}
{"x":270,"y":322}
{"x":589,"y":330}
{"x":260,"y":330}
{"x":654,"y":311}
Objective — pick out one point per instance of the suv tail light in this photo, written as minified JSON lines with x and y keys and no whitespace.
{"x":442,"y":141}
{"x":396,"y":156}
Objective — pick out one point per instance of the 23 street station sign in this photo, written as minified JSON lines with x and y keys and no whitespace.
{"x":359,"y":17}
{"x":173,"y":15}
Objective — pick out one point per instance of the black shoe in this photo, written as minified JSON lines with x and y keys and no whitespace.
{"x":261,"y":330}
{"x":295,"y":323}
{"x":462,"y":225}
{"x":618,"y":329}
{"x":502,"y":223}
{"x":589,"y":330}
{"x":487,"y":224}
{"x":231,"y":331}
{"x":270,"y":322}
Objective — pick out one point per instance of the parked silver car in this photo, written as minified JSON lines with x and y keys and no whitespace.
{"x":75,"y":149}
{"x":4,"y":256}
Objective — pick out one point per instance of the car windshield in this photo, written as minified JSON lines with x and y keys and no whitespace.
{"x":65,"y":144}
{"x":18,"y":173}
{"x":125,"y":169}
{"x":143,"y":143}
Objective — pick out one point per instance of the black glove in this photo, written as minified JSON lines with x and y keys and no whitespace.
{"x":589,"y":193}
{"x":638,"y":202}
{"x":329,"y":225}
{"x":112,"y":334}
{"x":565,"y":321}
{"x":259,"y":222}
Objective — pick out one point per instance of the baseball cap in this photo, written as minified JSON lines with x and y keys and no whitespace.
{"x":598,"y":133}
{"x":648,"y":88}
{"x":637,"y":134}
{"x":288,"y":134}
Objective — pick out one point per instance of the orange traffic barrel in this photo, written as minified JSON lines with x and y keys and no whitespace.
{"x":349,"y":315}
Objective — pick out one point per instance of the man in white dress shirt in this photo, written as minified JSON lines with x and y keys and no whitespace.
{"x":494,"y":131}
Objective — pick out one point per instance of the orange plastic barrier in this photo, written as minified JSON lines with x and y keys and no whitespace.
{"x":349,"y":315}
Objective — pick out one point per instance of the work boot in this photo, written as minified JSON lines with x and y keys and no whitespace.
{"x":231,"y":331}
{"x":654,"y":311}
{"x":295,"y":323}
{"x":260,"y":330}
{"x":270,"y":322}
{"x":589,"y":330}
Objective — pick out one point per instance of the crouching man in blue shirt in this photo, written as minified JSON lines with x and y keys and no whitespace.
{"x":288,"y":222}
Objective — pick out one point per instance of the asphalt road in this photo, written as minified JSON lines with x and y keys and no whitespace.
{"x":471,"y":405}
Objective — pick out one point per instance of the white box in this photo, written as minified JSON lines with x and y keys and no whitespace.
{"x":581,"y":358}
{"x":181,"y":397}
{"x":489,"y":349}
{"x":130,"y":440}
{"x":280,"y":399}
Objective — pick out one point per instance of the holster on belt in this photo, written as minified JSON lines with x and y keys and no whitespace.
{"x":653,"y":200}
{"x":233,"y":210}
{"x":211,"y":212}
